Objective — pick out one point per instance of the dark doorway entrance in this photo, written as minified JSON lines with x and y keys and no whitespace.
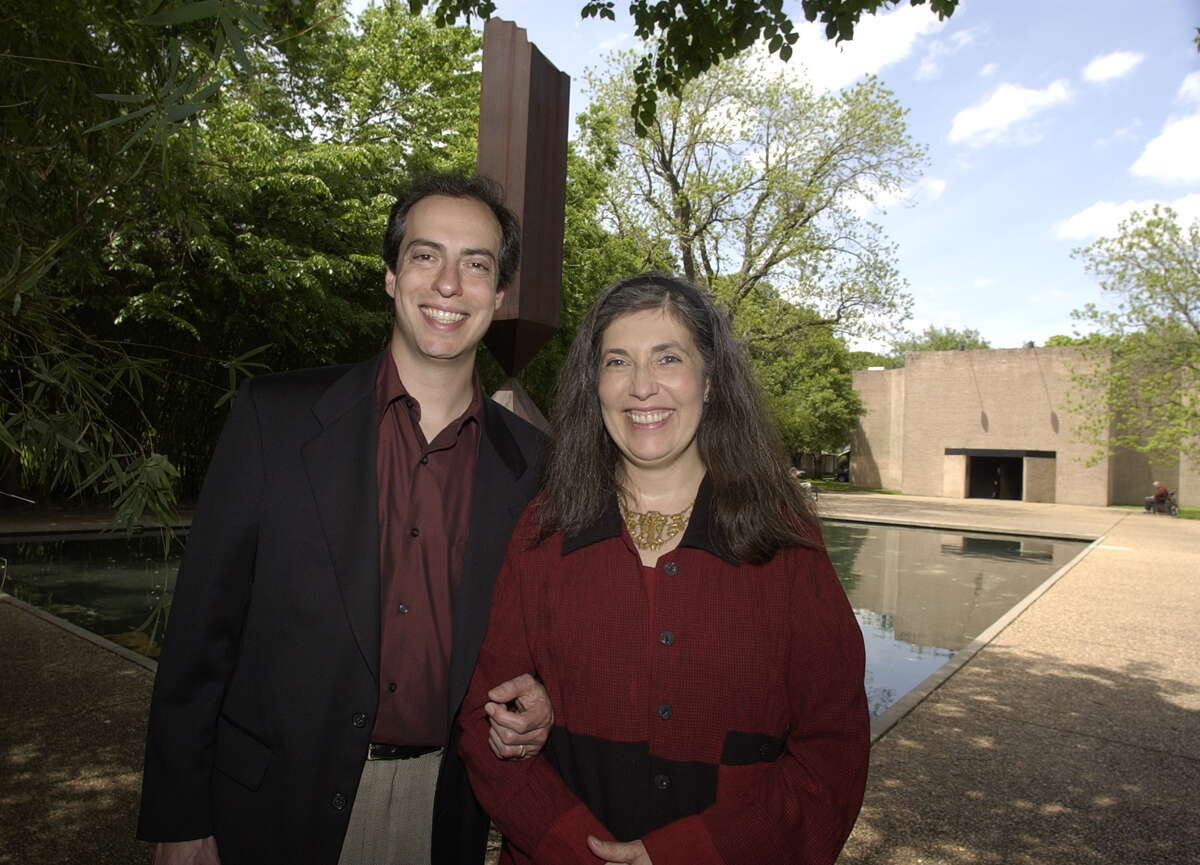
{"x":994,"y":477}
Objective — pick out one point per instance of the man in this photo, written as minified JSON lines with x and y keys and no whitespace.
{"x":1158,"y":501}
{"x":336,"y":585}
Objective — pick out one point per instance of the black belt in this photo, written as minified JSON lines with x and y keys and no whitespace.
{"x":378,"y":751}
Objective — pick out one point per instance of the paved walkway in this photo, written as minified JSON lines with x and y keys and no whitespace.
{"x":1072,"y":737}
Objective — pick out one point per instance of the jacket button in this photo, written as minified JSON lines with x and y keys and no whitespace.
{"x":662,"y":782}
{"x":667,"y":638}
{"x":671,"y":569}
{"x":664,"y":712}
{"x":359,"y":720}
{"x":339,"y":802}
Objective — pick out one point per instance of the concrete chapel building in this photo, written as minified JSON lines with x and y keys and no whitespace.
{"x":994,"y":423}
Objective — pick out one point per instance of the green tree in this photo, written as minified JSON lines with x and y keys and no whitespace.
{"x":257,"y":235}
{"x":934,"y":338}
{"x":682,"y":41}
{"x":867,"y":359}
{"x":1140,"y":387}
{"x":751,"y":181}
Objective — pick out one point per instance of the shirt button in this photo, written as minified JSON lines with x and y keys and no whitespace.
{"x":664,"y":712}
{"x":391,"y":687}
{"x":359,"y":719}
{"x":402,"y":609}
{"x":670,"y":569}
{"x":662,"y":782}
{"x":339,"y":802}
{"x":415,"y":532}
{"x":667,"y":638}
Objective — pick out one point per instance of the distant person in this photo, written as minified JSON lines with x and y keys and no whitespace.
{"x":1158,"y":501}
{"x":337,"y":580}
{"x":670,"y":587}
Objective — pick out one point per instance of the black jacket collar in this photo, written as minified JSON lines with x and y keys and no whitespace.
{"x":698,"y":534}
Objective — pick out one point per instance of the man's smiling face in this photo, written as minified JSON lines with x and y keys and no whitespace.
{"x":444,"y":282}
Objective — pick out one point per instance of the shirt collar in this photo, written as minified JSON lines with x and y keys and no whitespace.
{"x":698,"y":534}
{"x":389,"y":388}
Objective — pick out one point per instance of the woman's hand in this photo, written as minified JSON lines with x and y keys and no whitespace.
{"x":617,"y":852}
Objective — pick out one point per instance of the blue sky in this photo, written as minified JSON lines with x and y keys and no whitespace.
{"x":1046,"y":121}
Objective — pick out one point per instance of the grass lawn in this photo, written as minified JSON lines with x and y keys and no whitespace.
{"x":1184,"y":513}
{"x":826,"y":486}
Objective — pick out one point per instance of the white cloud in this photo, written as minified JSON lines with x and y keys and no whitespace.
{"x":1106,"y":67}
{"x":931,"y":188}
{"x":1121,"y":133}
{"x":1189,"y":90}
{"x":1171,"y":157}
{"x":931,"y":66}
{"x":983,"y":282}
{"x":1104,"y":217}
{"x":879,"y":41}
{"x":988,"y":70}
{"x":924,"y":191}
{"x":616,"y":42}
{"x":1009,"y":104}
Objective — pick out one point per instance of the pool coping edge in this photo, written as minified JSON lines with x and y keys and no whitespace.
{"x":70,"y":627}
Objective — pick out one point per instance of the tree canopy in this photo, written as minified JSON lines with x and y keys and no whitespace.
{"x":753,"y":180}
{"x":144,"y":287}
{"x":1141,"y":386}
{"x":684,"y":40}
{"x":934,"y":338}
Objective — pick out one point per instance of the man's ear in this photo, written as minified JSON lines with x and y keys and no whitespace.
{"x":389,"y":282}
{"x":499,"y":299}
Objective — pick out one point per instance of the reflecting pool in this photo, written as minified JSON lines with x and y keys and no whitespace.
{"x":113,"y":585}
{"x":920,"y":595}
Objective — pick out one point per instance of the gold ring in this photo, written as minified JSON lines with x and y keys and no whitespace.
{"x":522,"y":755}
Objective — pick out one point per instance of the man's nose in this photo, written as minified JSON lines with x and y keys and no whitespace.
{"x":448,"y":281}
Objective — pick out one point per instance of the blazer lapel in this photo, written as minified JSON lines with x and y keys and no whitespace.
{"x":496,"y":503}
{"x":340,"y":462}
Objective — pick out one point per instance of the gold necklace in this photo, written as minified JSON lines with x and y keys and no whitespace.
{"x":652,"y":530}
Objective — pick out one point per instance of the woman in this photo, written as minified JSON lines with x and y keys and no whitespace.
{"x":669,"y":588}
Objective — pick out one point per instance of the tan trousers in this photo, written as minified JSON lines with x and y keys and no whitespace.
{"x":392,"y":819}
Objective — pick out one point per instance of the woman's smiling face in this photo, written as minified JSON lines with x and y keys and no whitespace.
{"x":651,"y":388}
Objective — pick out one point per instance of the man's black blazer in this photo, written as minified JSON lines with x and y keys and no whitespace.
{"x":267,"y":686}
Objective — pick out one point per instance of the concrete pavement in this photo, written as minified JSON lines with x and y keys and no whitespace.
{"x":1072,"y":737}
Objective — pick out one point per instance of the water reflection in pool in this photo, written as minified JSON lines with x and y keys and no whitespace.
{"x":921,"y":595}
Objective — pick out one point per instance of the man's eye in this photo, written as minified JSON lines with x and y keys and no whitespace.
{"x":669,"y":358}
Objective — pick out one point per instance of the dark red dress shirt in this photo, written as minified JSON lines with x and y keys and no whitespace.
{"x":424,"y":510}
{"x":726,"y":724}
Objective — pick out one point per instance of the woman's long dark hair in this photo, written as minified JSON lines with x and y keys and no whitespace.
{"x":757,"y":507}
